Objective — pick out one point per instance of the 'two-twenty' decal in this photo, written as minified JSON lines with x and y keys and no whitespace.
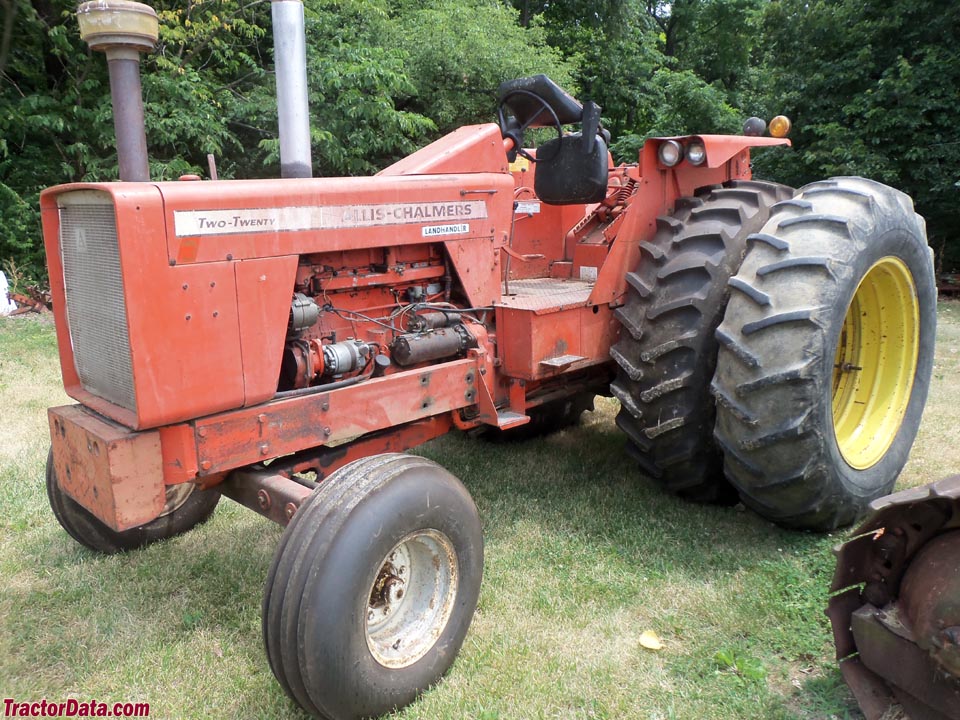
{"x":333,"y":217}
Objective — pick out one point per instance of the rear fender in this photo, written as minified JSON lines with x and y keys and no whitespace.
{"x":720,"y":149}
{"x":659,"y":187}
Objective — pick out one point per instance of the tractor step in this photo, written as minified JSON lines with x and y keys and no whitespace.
{"x":561,"y":362}
{"x":507,"y":419}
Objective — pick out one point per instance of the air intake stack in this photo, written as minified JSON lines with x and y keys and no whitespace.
{"x":123,"y":29}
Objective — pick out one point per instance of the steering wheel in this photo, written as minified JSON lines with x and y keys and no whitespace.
{"x":512,"y":127}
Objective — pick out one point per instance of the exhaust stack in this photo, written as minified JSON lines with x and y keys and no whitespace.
{"x":123,"y":29}
{"x":290,"y":58}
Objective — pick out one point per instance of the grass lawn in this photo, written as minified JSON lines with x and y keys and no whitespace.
{"x":582,"y":556}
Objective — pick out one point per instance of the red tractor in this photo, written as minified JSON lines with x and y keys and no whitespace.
{"x":282,"y":342}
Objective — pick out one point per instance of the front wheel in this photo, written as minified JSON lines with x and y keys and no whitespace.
{"x":186,"y":507}
{"x":826,"y":352}
{"x":373,"y":587}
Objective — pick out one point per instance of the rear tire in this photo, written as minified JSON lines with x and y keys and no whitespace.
{"x":373,"y":587}
{"x":188,"y":506}
{"x":827,"y":349}
{"x":667,"y":350}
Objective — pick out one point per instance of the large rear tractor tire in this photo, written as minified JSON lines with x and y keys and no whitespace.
{"x":827,"y":349}
{"x":187,"y":506}
{"x":373,"y":587}
{"x":667,"y":350}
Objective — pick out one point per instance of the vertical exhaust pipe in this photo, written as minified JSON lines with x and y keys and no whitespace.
{"x":290,"y":59}
{"x":123,"y":29}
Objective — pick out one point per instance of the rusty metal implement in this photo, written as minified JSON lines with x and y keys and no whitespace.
{"x":895,"y":610}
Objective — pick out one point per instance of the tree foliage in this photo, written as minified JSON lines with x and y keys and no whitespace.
{"x":872,"y":89}
{"x":459,"y":51}
{"x":870,"y":86}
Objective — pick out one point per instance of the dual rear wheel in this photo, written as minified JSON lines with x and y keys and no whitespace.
{"x":816,"y":345}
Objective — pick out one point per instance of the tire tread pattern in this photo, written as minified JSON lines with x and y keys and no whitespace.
{"x":312,"y":532}
{"x":774,"y":369}
{"x":667,"y":351}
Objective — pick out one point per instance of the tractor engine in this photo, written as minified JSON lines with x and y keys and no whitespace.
{"x":358,"y":314}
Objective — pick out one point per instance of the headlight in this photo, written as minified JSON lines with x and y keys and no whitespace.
{"x":696,"y":153}
{"x":670,"y":153}
{"x":754,"y":127}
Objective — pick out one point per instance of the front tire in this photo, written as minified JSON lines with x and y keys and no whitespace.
{"x":373,"y":587}
{"x":187,"y":506}
{"x":827,"y":349}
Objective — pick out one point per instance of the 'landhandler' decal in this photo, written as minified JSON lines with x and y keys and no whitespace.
{"x":434,"y":230}
{"x":286,"y":219}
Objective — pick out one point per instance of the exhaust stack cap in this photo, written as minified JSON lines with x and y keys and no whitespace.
{"x":118,"y":24}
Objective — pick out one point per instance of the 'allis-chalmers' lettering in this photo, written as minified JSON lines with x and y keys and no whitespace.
{"x":189,"y":223}
{"x":402,"y":213}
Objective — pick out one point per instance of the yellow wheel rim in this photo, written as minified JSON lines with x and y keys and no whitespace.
{"x":875,"y":363}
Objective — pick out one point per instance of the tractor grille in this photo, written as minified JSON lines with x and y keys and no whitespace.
{"x":96,"y":310}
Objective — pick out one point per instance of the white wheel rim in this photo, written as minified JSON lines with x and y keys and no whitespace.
{"x":411,"y":598}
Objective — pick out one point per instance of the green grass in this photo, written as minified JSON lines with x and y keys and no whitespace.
{"x":582,"y":557}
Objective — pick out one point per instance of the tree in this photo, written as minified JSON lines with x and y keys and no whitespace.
{"x":459,"y":51}
{"x":871,"y":88}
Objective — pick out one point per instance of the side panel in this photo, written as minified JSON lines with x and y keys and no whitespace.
{"x":263,"y":299}
{"x":185,"y":340}
{"x":477,"y":264}
{"x":578,"y":335}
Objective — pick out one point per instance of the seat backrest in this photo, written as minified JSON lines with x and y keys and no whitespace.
{"x":568,"y":173}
